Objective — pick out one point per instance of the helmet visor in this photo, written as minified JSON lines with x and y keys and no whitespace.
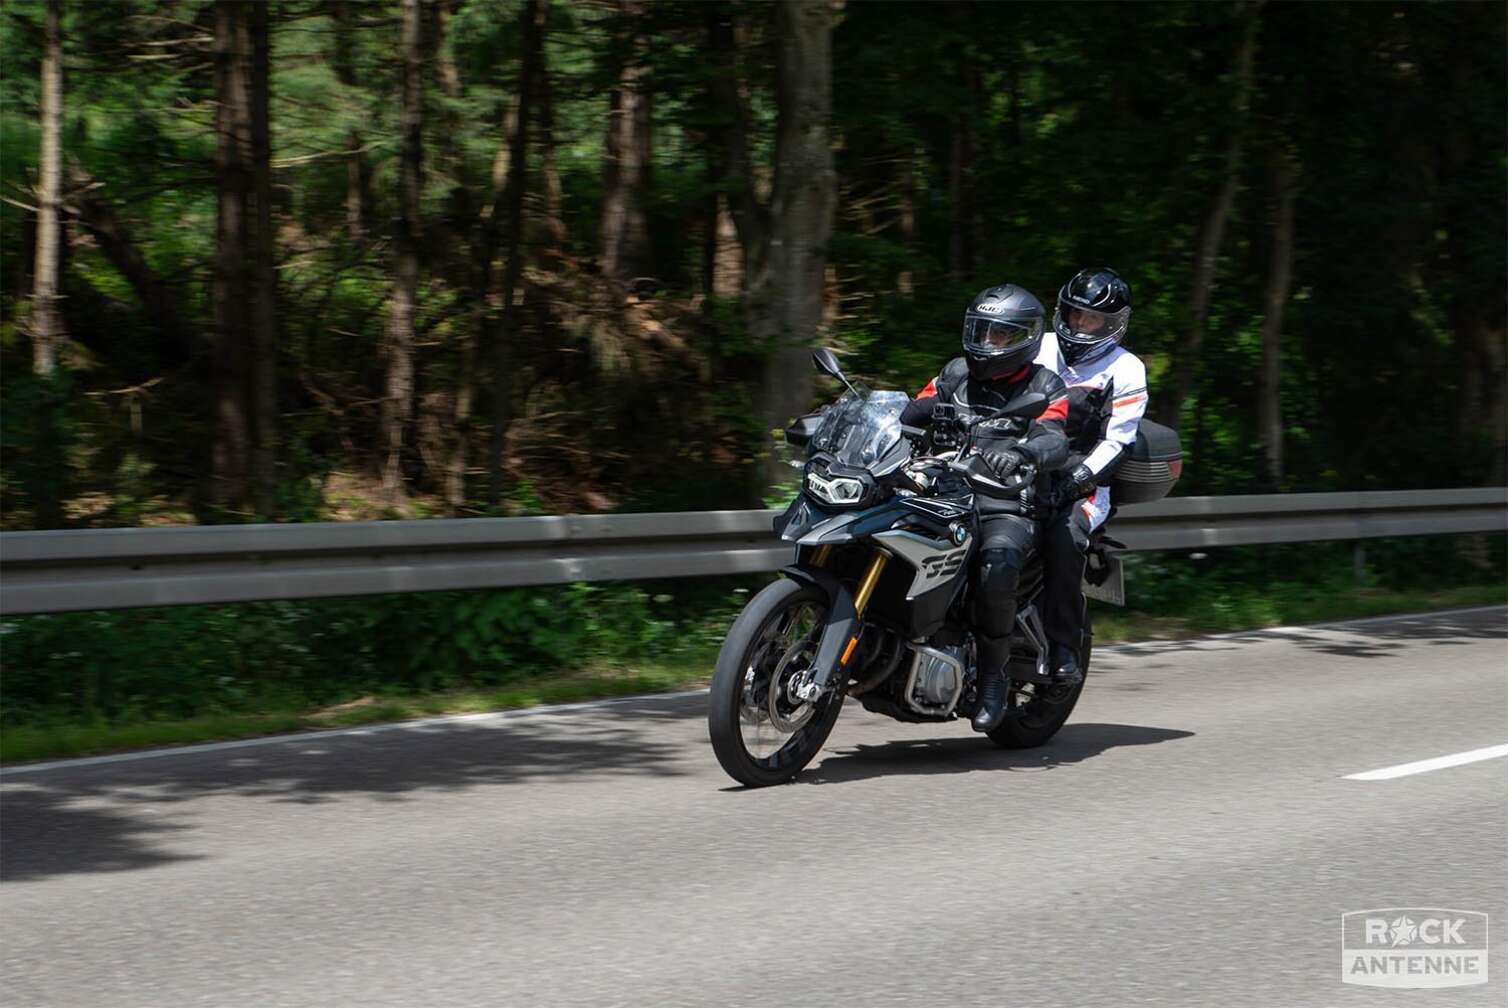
{"x":1078,"y":324}
{"x":993,"y":336}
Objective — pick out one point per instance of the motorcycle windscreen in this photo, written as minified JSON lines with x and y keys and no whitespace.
{"x":863,"y":431}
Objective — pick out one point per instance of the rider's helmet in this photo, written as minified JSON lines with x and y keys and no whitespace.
{"x":1002,"y":331}
{"x":1094,"y":309}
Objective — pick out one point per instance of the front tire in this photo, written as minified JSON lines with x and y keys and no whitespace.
{"x":760,"y":734}
{"x":1041,"y":718}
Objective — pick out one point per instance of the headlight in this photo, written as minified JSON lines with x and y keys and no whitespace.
{"x":835,"y":489}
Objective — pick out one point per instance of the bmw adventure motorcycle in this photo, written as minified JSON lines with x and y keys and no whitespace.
{"x":876,"y":605}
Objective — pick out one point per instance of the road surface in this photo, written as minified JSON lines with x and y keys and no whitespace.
{"x":1192,"y":837}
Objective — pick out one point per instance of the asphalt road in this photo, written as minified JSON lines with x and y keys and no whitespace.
{"x":1190,"y":838}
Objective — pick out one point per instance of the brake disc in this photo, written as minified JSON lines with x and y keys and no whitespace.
{"x":781,"y":681}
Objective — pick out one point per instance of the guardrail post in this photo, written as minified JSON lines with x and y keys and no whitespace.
{"x":1359,"y":561}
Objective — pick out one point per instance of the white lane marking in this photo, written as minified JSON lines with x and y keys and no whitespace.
{"x":1438,"y":763}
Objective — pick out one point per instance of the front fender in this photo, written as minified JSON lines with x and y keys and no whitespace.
{"x":842,"y":621}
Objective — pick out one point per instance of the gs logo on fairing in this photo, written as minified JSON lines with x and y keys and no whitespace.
{"x":944,"y":564}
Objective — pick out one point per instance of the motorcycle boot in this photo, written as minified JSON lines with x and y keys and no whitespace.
{"x":993,"y":688}
{"x":1065,"y":666}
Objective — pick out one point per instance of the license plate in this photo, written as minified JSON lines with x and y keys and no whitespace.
{"x":1113,"y":588}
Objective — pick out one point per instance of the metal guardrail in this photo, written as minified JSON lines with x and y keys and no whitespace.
{"x":65,"y":571}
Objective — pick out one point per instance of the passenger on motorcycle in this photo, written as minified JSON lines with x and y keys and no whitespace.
{"x":1107,"y":395}
{"x":1002,"y":334}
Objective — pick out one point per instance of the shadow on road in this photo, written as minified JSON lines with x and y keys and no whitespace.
{"x":1369,"y":640}
{"x":969,"y":754}
{"x":119,"y":816}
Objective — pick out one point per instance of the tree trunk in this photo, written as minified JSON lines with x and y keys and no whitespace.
{"x":264,"y":279}
{"x":235,"y":256}
{"x":1484,"y":351}
{"x":554,"y":222}
{"x":1279,"y":280}
{"x":722,"y":252}
{"x":727,"y":253}
{"x":44,"y":474}
{"x":46,"y":318}
{"x":1185,"y":369}
{"x":358,"y":173}
{"x":479,"y":330}
{"x":245,"y":353}
{"x":398,"y":398}
{"x":625,"y":234}
{"x":786,"y":296}
{"x":784,"y":245}
{"x":905,"y":281}
{"x":358,"y":189}
{"x":505,"y":336}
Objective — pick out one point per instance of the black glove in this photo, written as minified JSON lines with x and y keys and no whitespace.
{"x":1003,"y":462}
{"x":1079,"y":483}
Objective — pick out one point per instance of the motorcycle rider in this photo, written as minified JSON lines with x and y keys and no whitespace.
{"x":1002,"y":334}
{"x":1107,"y":395}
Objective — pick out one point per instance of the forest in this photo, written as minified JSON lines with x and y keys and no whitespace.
{"x":325,"y":259}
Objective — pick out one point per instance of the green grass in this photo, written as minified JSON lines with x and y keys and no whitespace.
{"x":25,"y":743}
{"x":1217,"y":612}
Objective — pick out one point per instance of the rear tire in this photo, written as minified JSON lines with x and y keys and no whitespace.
{"x":1041,"y":720}
{"x":748,"y":666}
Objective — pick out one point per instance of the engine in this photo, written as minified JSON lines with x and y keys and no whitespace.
{"x":936,"y":679}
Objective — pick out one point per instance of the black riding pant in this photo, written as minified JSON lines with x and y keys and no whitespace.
{"x":1065,"y":544}
{"x":1005,"y":543}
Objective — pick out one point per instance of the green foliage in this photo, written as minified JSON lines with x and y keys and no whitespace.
{"x":39,"y":432}
{"x":1303,"y":582}
{"x":148,"y":664}
{"x":973,"y":143}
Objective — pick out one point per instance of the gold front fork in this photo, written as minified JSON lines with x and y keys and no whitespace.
{"x":819,"y":558}
{"x":871,"y":578}
{"x":861,"y":600}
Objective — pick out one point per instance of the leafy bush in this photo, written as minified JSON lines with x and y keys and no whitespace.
{"x":98,"y":667}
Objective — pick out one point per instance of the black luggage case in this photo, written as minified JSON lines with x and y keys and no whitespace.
{"x":1148,"y":471}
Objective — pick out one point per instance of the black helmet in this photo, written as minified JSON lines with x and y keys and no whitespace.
{"x":1094,"y":309}
{"x":1002,"y":331}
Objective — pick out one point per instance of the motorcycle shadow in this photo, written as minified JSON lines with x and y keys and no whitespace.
{"x":967,"y":754}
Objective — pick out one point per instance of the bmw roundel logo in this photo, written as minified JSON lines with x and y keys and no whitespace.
{"x":960,"y":533}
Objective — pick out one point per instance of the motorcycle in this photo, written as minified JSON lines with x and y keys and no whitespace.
{"x":876,"y":605}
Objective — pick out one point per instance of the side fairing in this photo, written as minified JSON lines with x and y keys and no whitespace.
{"x":936,"y":562}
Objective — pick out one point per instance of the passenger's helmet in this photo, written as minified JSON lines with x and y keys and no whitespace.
{"x":1002,"y":331}
{"x":1094,"y":309}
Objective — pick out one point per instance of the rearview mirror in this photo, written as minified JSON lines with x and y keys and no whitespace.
{"x":827,"y":363}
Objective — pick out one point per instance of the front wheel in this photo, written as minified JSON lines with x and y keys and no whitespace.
{"x":1039,"y":717}
{"x":762,"y":734}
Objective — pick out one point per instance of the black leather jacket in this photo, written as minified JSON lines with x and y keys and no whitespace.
{"x":1046,"y":440}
